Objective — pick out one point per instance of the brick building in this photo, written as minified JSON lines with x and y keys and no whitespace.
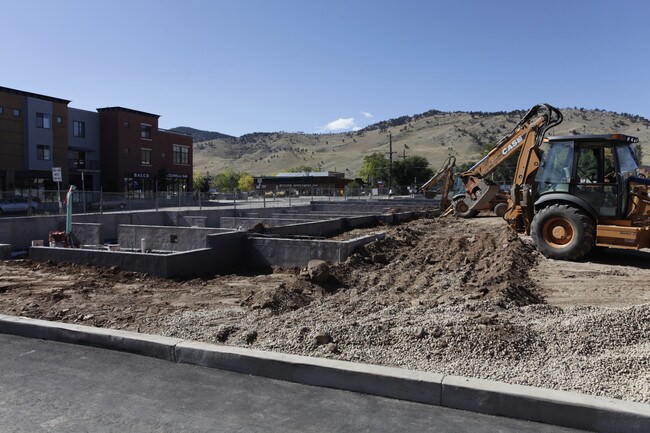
{"x":114,"y":148}
{"x":138,"y":158}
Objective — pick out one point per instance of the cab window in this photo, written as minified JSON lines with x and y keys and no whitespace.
{"x":596,"y":179}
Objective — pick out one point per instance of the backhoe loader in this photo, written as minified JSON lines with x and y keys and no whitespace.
{"x":444,"y":175}
{"x":582,"y":191}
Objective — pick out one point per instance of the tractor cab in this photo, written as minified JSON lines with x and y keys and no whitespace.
{"x":592,"y":172}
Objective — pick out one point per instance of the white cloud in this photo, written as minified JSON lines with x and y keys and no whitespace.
{"x":340,"y":124}
{"x":367,"y":115}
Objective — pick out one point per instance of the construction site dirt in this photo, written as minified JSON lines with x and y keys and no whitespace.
{"x":446,"y":295}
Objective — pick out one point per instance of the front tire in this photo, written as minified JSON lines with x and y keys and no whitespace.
{"x":563,"y":232}
{"x":461,"y":209}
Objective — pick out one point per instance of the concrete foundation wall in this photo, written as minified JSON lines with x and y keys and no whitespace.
{"x":297,"y":252}
{"x":315,"y":228}
{"x":185,"y":264}
{"x":164,"y":237}
{"x":21,"y":231}
{"x":237,"y":223}
{"x":228,"y":250}
{"x":88,"y":233}
{"x":362,"y":221}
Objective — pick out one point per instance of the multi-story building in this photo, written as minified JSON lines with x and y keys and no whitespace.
{"x":138,"y":158}
{"x":84,"y":149}
{"x":33,"y":139}
{"x":117,"y":149}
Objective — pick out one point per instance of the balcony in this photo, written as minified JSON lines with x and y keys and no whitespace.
{"x":82,"y":164}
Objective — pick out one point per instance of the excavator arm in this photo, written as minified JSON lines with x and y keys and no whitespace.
{"x":524,"y":140}
{"x":445,"y":175}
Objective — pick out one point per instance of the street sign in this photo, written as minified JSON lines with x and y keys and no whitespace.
{"x":56,"y":174}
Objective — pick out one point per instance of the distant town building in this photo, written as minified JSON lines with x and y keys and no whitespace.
{"x":303,"y":183}
{"x":115,"y":148}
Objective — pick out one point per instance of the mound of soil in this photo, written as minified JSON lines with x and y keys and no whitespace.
{"x":440,"y":261}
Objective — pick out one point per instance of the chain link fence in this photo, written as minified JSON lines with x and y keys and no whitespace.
{"x":53,"y":202}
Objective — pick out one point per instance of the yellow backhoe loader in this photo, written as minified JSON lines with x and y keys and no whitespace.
{"x":582,"y":191}
{"x":444,"y":175}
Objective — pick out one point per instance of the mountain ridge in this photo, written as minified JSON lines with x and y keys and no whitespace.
{"x":433,"y":134}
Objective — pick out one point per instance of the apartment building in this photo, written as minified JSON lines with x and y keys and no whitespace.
{"x":114,"y":148}
{"x":33,"y":139}
{"x":138,"y":158}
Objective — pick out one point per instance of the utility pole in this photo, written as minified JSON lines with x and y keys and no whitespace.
{"x":390,"y":158}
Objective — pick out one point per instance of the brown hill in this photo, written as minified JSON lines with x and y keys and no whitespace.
{"x":433,"y":134}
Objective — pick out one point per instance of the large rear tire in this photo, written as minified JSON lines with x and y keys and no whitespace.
{"x":563,"y":232}
{"x":462,"y":210}
{"x":500,"y":209}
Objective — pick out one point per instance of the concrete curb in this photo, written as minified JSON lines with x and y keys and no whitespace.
{"x":560,"y":408}
{"x":125,"y":341}
{"x":369,"y":379}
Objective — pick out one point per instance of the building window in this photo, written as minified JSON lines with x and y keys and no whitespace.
{"x":59,"y":120}
{"x":16,"y":112}
{"x":126,"y":150}
{"x":126,"y":124}
{"x":43,"y":120}
{"x":163,"y":154}
{"x":146,"y":131}
{"x":181,"y":154}
{"x":78,"y":129}
{"x":146,"y":156}
{"x":2,"y":110}
{"x":43,"y":152}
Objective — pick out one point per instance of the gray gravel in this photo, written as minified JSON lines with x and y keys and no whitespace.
{"x":597,"y":351}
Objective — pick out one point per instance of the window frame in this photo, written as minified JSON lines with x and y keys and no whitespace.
{"x":145,"y":151}
{"x":43,"y":152}
{"x":145,"y":131}
{"x":78,"y":129}
{"x":180,"y":154}
{"x":44,"y":120}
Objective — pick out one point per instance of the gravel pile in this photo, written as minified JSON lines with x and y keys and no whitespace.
{"x":465,"y":307}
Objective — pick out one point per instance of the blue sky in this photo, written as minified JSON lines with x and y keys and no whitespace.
{"x":318,"y":66}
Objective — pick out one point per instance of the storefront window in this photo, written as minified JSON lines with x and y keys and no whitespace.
{"x":139,"y":185}
{"x":34,"y":186}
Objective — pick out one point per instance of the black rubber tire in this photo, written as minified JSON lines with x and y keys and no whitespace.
{"x":563,"y":232}
{"x":500,"y":209}
{"x":461,"y":209}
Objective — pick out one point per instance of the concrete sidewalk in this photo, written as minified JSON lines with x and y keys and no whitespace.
{"x":488,"y":397}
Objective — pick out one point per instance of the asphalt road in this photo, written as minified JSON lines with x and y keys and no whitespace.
{"x":56,"y":387}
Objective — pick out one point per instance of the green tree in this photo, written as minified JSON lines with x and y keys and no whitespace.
{"x":246,"y":183}
{"x":375,"y":166}
{"x":226,"y":181}
{"x":408,"y":170}
{"x":200,"y":182}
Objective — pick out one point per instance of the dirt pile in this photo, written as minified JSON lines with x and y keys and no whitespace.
{"x":462,"y":297}
{"x":442,"y":261}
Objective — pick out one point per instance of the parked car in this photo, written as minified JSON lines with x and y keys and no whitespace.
{"x":17,"y":204}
